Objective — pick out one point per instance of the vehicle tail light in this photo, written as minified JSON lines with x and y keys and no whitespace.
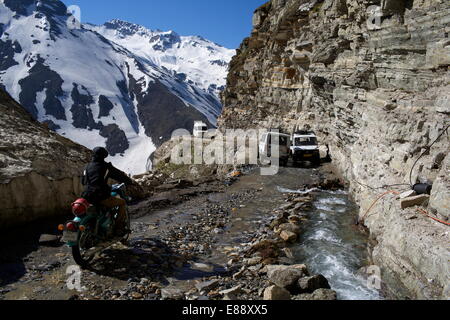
{"x":80,"y":207}
{"x":71,"y":227}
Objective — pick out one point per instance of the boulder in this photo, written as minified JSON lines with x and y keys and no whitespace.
{"x":288,"y":236}
{"x":288,"y":227}
{"x":320,"y":294}
{"x":414,"y":201}
{"x":324,"y":294}
{"x":253,"y":261}
{"x":271,"y":269}
{"x":207,"y":285}
{"x":277,"y":222}
{"x":172,"y":294}
{"x":202,"y":267}
{"x":286,"y":276}
{"x":230,"y":297}
{"x":311,"y":284}
{"x":276,"y":293}
{"x":286,"y":206}
{"x":295,"y":220}
{"x":48,"y":239}
{"x":265,"y":247}
{"x":232,"y":292}
{"x":136,"y":295}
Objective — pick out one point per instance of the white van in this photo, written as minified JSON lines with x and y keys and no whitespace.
{"x":282,"y":140}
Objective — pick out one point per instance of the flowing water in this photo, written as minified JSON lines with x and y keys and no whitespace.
{"x":331,"y":244}
{"x":333,"y":247}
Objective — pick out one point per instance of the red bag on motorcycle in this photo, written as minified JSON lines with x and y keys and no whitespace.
{"x":80,"y":207}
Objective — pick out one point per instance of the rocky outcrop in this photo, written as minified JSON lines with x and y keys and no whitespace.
{"x":372,"y":79}
{"x":39,"y":170}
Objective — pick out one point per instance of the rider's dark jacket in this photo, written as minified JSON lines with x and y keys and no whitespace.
{"x":95,"y":179}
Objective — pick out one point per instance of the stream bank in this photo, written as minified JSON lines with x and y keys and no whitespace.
{"x":216,"y":241}
{"x":378,"y":95}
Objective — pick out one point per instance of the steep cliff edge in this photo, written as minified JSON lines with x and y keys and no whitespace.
{"x":39,"y":170}
{"x":372,"y":79}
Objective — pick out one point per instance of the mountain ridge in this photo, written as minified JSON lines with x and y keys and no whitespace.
{"x":94,"y":90}
{"x":162,"y":48}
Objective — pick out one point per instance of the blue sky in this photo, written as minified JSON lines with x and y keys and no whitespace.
{"x":226,"y":22}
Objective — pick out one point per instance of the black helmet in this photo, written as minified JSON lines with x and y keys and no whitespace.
{"x":100,"y":153}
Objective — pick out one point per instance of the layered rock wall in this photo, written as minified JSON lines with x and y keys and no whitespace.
{"x":39,"y":170}
{"x":372,"y":79}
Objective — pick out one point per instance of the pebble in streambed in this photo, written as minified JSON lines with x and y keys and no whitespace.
{"x":147,"y":264}
{"x":259,"y":266}
{"x":264,"y":268}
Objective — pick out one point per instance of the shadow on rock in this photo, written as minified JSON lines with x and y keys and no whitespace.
{"x":19,"y":244}
{"x":305,"y":165}
{"x":144,"y":258}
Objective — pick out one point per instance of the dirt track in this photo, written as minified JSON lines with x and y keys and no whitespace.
{"x":173,"y":249}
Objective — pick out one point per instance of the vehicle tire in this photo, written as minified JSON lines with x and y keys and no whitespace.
{"x":78,"y":253}
{"x":316,"y":161}
{"x":78,"y":257}
{"x":128,"y":226}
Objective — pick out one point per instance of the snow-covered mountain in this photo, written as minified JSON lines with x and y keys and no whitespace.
{"x":201,"y":62}
{"x":103,"y":89}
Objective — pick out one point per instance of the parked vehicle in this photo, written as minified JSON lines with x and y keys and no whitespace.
{"x":200,"y":129}
{"x":265,"y":147}
{"x":92,"y":230}
{"x":305,"y":147}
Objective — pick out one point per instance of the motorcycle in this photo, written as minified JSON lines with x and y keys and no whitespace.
{"x":93,"y":228}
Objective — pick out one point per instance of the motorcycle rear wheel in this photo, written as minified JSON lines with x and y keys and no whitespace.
{"x":79,"y":258}
{"x":80,"y":251}
{"x":125,"y":238}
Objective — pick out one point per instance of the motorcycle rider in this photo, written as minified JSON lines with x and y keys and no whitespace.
{"x":98,"y":192}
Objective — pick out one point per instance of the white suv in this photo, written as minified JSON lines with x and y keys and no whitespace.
{"x":305,"y":147}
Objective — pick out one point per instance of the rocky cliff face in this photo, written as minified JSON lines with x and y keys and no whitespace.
{"x":372,"y":79}
{"x":39,"y":170}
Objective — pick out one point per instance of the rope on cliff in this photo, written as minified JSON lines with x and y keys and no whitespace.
{"x":426,"y":214}
{"x":412,"y":169}
{"x":424,"y":153}
{"x":378,"y":199}
{"x":420,"y":210}
{"x":382,"y":187}
{"x":400,"y":184}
